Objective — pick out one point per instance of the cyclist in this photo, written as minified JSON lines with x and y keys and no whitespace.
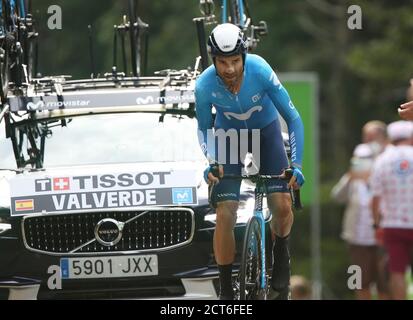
{"x":246,"y":94}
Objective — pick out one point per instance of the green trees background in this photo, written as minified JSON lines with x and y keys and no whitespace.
{"x":363,"y":75}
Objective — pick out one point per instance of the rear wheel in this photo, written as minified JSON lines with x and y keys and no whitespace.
{"x":251,"y":263}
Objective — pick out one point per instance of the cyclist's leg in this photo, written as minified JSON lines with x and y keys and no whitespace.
{"x":273,"y":160}
{"x":224,"y":243}
{"x":225,"y":197}
{"x":280,"y":206}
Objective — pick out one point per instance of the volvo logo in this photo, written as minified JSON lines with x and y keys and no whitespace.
{"x":108,"y":232}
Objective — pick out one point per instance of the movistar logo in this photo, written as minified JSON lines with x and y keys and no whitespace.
{"x":242,"y":116}
{"x":35,"y":106}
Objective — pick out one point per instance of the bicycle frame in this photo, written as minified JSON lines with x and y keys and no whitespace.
{"x":22,"y":9}
{"x":16,"y":7}
{"x":260,"y":216}
{"x":260,"y":192}
{"x":137,"y":32}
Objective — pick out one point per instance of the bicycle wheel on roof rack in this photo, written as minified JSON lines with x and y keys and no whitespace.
{"x":4,"y":51}
{"x":134,"y":37}
{"x":4,"y":73}
{"x":237,"y":13}
{"x":28,"y":38}
{"x":250,"y":270}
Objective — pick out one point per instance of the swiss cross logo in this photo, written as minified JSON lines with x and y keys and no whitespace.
{"x":61,"y":184}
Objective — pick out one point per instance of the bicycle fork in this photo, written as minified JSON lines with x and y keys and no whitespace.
{"x":258,"y":213}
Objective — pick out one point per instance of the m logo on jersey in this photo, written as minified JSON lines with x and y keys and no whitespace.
{"x":404,"y":167}
{"x":242,"y":116}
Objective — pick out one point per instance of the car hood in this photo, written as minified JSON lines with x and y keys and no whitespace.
{"x":5,"y":177}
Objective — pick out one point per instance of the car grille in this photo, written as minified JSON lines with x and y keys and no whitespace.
{"x":64,"y":233}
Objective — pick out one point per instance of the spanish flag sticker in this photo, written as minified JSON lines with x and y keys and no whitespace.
{"x":23,"y":205}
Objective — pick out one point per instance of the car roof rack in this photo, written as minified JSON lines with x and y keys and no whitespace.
{"x":49,"y":101}
{"x":171,"y":90}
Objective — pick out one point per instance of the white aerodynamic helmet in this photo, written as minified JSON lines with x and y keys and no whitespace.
{"x":227,"y":40}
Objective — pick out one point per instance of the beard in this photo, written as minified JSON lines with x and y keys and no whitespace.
{"x":231,"y":80}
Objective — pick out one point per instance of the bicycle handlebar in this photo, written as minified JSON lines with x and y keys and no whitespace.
{"x":286,"y":176}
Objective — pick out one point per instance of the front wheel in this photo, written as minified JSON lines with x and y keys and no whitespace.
{"x":251,"y":263}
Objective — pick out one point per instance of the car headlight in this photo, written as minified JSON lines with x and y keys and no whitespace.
{"x":245,"y":211}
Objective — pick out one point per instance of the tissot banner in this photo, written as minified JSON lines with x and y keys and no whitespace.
{"x":42,"y":193}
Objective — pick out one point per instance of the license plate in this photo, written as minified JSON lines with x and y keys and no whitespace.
{"x":109,"y":267}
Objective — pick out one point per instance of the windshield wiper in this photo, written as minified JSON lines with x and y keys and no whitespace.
{"x":22,"y":170}
{"x":15,"y":170}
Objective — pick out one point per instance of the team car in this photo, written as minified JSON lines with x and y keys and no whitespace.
{"x":105,"y":197}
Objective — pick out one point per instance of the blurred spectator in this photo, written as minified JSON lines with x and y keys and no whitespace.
{"x":406,"y":109}
{"x":300,"y":288}
{"x":392,"y":187}
{"x":358,"y":231}
{"x":375,"y":132}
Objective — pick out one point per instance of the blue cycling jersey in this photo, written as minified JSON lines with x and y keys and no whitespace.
{"x":255,"y":106}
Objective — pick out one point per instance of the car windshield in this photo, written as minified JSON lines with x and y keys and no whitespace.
{"x":121,"y":138}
